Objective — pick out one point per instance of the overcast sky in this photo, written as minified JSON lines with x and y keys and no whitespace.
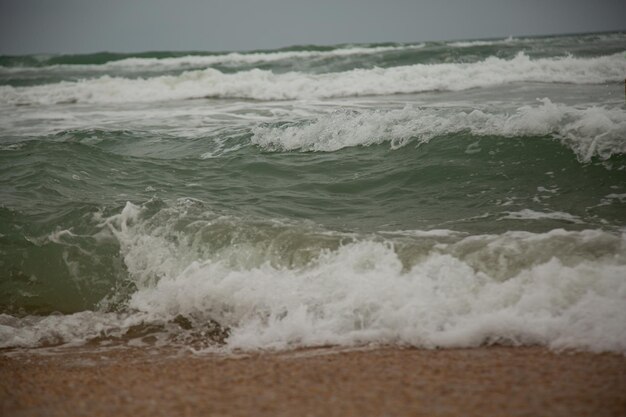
{"x":80,"y":26}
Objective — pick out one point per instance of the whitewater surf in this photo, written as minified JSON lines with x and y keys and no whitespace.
{"x":437,"y":194}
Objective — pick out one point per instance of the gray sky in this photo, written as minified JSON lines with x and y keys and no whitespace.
{"x":80,"y":26}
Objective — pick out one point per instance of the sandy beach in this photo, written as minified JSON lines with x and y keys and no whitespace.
{"x":503,"y":381}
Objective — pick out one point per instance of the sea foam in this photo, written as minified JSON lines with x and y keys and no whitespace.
{"x":528,"y":214}
{"x":265,"y":85}
{"x":594,"y":131}
{"x":561,"y":289}
{"x":470,"y":44}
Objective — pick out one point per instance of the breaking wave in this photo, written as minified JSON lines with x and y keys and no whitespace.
{"x":595,"y":131}
{"x":277,"y":285}
{"x":265,"y":85}
{"x":200,"y":61}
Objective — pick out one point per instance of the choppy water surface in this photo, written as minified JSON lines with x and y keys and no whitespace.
{"x":438,"y":194}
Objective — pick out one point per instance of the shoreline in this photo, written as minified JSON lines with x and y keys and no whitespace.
{"x":313,"y":382}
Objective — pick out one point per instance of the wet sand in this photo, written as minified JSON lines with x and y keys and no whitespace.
{"x":502,"y":381}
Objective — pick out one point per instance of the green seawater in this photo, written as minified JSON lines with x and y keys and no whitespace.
{"x":459,"y":182}
{"x":120,"y":171}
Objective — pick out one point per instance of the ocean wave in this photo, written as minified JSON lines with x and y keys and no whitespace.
{"x":562,"y":289}
{"x":265,"y":85}
{"x":594,"y":131}
{"x":201,"y":61}
{"x":469,"y":44}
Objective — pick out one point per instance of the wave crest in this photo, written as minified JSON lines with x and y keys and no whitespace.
{"x":562,"y":289}
{"x":265,"y":85}
{"x":595,"y":131}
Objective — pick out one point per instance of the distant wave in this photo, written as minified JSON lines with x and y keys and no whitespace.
{"x":265,"y":85}
{"x":468,"y":44}
{"x":202,"y":61}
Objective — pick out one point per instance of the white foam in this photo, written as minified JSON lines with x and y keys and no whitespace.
{"x":518,"y":287}
{"x":613,"y":196}
{"x":76,"y":328}
{"x":528,"y":214}
{"x":469,"y":44}
{"x":594,"y":131}
{"x":562,"y":289}
{"x":265,"y":85}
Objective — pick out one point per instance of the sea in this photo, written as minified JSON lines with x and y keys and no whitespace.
{"x":433,"y":195}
